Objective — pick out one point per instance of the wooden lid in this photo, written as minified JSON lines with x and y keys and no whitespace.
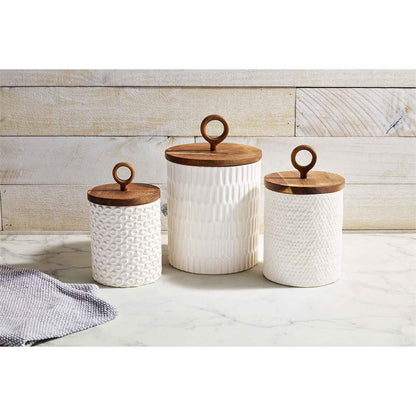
{"x":300,"y":181}
{"x":213,"y":154}
{"x":123,"y":193}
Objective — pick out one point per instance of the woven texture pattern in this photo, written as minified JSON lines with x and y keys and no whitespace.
{"x":126,"y":244}
{"x":36,"y":307}
{"x":213,"y":217}
{"x":303,"y":238}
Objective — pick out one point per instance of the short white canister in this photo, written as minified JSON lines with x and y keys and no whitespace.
{"x":125,"y":232}
{"x":213,"y":204}
{"x":303,"y":225}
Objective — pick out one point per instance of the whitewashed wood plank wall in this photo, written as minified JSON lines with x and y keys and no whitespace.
{"x":208,"y":78}
{"x":126,"y":111}
{"x":61,"y":132}
{"x":366,"y":112}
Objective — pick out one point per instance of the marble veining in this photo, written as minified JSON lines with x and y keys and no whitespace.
{"x":374,"y":303}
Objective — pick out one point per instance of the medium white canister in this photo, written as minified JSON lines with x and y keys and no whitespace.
{"x":303,"y":225}
{"x":125,"y":232}
{"x":213,"y":204}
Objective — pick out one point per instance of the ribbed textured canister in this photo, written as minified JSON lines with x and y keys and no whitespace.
{"x":213,"y":217}
{"x":213,"y":204}
{"x":125,"y":232}
{"x":303,"y":226}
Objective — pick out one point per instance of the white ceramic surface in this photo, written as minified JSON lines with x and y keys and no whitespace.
{"x":302,"y":238}
{"x":373,"y":304}
{"x":126,"y":244}
{"x":213,"y":217}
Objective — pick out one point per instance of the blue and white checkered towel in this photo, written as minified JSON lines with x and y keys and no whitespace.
{"x":36,"y":307}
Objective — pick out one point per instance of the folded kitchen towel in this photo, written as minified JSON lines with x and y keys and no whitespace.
{"x":36,"y":307}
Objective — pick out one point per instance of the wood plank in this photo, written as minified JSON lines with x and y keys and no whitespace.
{"x":85,"y":160}
{"x":82,"y":160}
{"x":209,"y":78}
{"x":52,"y":207}
{"x":55,"y":111}
{"x":358,"y":159}
{"x":65,"y":207}
{"x":355,"y":112}
{"x":372,"y":207}
{"x":1,"y":216}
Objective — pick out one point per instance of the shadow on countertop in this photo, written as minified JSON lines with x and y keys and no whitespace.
{"x":71,"y":263}
{"x":248,"y":279}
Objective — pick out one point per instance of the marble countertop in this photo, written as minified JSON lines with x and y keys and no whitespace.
{"x":373,"y":304}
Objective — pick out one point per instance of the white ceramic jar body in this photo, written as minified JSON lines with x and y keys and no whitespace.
{"x":303,"y":238}
{"x":126,"y":244}
{"x":213,"y":217}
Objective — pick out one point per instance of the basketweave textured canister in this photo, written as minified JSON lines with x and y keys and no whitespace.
{"x":303,"y":225}
{"x":125,"y":232}
{"x":213,"y":197}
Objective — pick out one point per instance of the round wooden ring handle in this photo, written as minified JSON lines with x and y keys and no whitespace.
{"x":303,"y":169}
{"x":211,"y":140}
{"x":123,"y":182}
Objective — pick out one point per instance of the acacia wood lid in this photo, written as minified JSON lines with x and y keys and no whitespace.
{"x":300,"y":181}
{"x":123,"y":193}
{"x":214,"y":153}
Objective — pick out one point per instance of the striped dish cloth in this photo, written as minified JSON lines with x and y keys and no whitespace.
{"x":35,"y":307}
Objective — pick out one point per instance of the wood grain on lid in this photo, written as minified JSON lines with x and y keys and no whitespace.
{"x":303,"y":181}
{"x":123,"y":193}
{"x":226,"y":154}
{"x":136,"y":194}
{"x":214,"y":153}
{"x":290,"y":182}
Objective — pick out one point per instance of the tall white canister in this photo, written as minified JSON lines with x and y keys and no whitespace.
{"x":303,"y":225}
{"x":213,"y":204}
{"x":125,"y":232}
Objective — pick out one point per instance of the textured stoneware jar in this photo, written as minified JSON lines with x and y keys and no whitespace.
{"x":125,"y":232}
{"x":213,"y":197}
{"x":303,"y":225}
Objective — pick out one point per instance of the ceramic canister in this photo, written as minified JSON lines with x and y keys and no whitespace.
{"x":303,"y":225}
{"x":125,"y":232}
{"x":213,"y":197}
